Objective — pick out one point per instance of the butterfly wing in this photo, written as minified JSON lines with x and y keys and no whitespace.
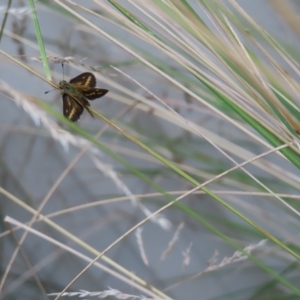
{"x":93,"y":93}
{"x":85,"y":83}
{"x":85,"y":79}
{"x":72,"y":109}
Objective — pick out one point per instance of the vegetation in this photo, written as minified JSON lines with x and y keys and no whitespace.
{"x":196,"y":142}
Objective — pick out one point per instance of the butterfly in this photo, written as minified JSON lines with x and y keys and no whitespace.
{"x":77,"y":92}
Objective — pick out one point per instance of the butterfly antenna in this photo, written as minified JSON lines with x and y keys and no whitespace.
{"x":62,"y":65}
{"x":50,"y":91}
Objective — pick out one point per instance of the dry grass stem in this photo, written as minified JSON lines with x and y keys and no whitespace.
{"x":213,"y":265}
{"x":140,"y":243}
{"x":172,"y":241}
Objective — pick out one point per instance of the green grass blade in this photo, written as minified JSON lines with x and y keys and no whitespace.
{"x":40,"y":40}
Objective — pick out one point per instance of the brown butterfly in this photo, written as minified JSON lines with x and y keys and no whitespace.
{"x":76,"y":92}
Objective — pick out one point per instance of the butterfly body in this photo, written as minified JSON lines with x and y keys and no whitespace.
{"x":76,"y":94}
